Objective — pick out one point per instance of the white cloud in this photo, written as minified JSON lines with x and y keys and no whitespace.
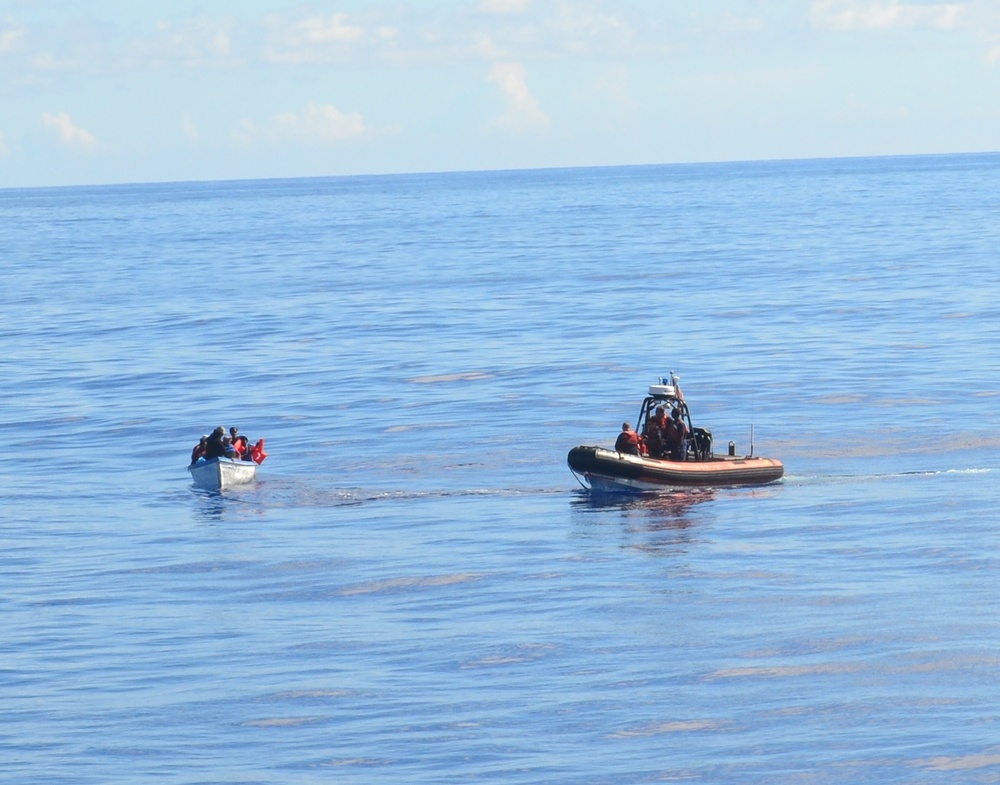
{"x":317,"y":123}
{"x":494,"y":30}
{"x":189,"y":128}
{"x":193,"y":42}
{"x":69,"y":132}
{"x":523,"y":112}
{"x":329,"y":30}
{"x":845,"y":15}
{"x":503,"y":6}
{"x":993,"y":49}
{"x":10,"y":34}
{"x":315,"y":39}
{"x":47,"y":61}
{"x":584,"y":31}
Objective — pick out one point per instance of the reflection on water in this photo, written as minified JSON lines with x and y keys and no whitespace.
{"x":214,"y":506}
{"x":674,"y":503}
{"x":209,"y":505}
{"x":657,"y":522}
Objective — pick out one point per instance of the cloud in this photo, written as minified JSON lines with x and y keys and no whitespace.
{"x":315,"y":39}
{"x":69,"y":132}
{"x":992,"y":56}
{"x":193,"y":42}
{"x":523,"y":112}
{"x":323,"y":123}
{"x":10,"y":34}
{"x":394,"y":34}
{"x":502,"y":6}
{"x":492,"y":30}
{"x":329,"y":30}
{"x":189,"y":128}
{"x":586,"y":31}
{"x":846,"y":15}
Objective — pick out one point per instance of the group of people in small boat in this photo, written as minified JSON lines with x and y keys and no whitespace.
{"x":234,"y":445}
{"x":663,"y":437}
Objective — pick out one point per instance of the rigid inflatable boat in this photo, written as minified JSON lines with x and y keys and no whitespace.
{"x":698,"y":466}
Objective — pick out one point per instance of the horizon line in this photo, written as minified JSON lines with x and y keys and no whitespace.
{"x":498,"y":170}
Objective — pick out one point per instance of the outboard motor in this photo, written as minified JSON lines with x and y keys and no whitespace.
{"x":701,"y":439}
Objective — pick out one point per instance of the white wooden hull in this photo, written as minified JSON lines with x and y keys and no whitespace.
{"x":217,"y":474}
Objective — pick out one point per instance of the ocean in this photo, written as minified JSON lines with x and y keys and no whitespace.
{"x":417,"y":590}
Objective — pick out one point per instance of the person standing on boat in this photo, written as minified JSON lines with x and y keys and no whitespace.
{"x":676,"y":433}
{"x":628,"y":440}
{"x":655,"y":433}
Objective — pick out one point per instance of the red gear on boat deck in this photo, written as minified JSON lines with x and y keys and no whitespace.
{"x":257,"y":452}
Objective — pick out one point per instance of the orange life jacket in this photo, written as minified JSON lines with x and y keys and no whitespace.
{"x":257,"y":452}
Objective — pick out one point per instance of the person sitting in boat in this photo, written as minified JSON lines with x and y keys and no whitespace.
{"x":215,"y":448}
{"x":628,"y":440}
{"x":654,"y":434}
{"x":228,"y":450}
{"x":675,"y":436}
{"x":199,"y":449}
{"x":242,"y":446}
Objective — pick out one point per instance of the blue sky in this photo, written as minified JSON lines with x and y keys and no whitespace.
{"x":106,"y":91}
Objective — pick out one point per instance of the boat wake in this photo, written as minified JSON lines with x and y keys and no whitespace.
{"x":278,"y":493}
{"x":816,"y":479}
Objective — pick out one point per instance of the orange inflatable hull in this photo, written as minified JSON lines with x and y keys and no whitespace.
{"x":607,"y":470}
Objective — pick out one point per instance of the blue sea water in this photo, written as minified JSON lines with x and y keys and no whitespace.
{"x":417,"y":590}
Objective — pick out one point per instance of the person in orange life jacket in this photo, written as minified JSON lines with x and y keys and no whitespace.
{"x":242,"y":446}
{"x":676,"y":436}
{"x":257,"y":452}
{"x":655,"y":435}
{"x":628,"y":440}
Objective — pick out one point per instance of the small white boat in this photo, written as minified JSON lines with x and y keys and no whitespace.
{"x":217,"y":474}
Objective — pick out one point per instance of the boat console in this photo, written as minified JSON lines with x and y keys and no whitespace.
{"x":666,"y":392}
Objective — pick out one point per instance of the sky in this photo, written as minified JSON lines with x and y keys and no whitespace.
{"x":124,"y":91}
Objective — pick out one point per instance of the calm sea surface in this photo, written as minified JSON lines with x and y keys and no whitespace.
{"x":417,"y":590}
